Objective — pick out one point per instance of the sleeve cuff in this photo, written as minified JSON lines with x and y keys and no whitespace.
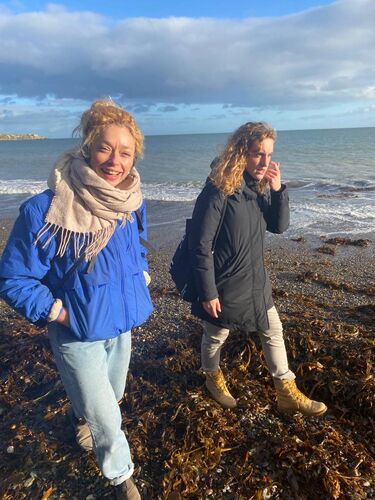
{"x":55,"y":311}
{"x":147,"y":277}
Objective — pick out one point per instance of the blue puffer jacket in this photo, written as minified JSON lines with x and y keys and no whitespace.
{"x":111,"y":299}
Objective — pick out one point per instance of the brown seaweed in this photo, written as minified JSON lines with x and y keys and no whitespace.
{"x":347,"y":241}
{"x":184,"y":444}
{"x":326,"y":249}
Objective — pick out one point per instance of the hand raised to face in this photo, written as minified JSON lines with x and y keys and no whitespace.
{"x":273,"y":176}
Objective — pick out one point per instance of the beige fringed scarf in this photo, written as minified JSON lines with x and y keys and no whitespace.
{"x":85,"y":207}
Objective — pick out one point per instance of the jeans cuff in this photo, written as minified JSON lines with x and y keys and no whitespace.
{"x":289,"y":375}
{"x":209,"y":370}
{"x":118,"y":480}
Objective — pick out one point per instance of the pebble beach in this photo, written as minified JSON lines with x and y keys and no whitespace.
{"x":184,"y":444}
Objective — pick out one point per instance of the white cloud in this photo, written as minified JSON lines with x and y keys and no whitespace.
{"x":294,"y":69}
{"x":320,"y":55}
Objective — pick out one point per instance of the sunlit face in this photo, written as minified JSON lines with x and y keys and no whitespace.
{"x":259,"y":158}
{"x":112,"y":154}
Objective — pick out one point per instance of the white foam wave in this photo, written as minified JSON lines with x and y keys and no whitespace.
{"x":331,"y":185}
{"x":343,"y":211}
{"x":163,"y":191}
{"x":342,"y":218}
{"x":167,"y":191}
{"x":22,"y":186}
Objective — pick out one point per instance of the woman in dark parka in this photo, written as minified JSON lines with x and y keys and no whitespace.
{"x":233,"y":285}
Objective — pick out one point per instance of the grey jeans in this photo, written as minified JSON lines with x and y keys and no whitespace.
{"x":272,"y":343}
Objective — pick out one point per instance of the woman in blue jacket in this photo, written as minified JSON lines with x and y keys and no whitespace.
{"x":74,"y":260}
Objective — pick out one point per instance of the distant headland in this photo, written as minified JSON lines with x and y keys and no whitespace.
{"x":20,"y":137}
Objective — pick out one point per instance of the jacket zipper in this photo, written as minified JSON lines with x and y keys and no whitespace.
{"x":262,"y":236}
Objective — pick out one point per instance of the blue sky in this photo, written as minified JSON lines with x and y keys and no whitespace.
{"x":188,"y":67}
{"x":192,"y":8}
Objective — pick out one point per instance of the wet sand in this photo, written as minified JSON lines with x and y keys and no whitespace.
{"x":184,"y":445}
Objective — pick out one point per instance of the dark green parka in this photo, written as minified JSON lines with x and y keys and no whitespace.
{"x":235,"y":272}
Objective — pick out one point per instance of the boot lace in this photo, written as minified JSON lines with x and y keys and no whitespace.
{"x":298,"y":395}
{"x":219,"y":381}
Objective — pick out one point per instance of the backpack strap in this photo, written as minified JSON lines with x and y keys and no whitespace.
{"x":139,"y":221}
{"x":143,"y":242}
{"x":222,"y":215}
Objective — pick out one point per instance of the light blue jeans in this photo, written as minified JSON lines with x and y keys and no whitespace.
{"x":94,"y":377}
{"x":272,"y":344}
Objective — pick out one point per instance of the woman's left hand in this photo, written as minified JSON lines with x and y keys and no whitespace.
{"x":273,"y":176}
{"x":147,"y":277}
{"x":212,"y":307}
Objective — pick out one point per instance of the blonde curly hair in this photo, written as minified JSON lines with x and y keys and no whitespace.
{"x":100,"y":115}
{"x":227,"y":171}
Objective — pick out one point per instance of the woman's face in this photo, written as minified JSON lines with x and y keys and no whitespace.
{"x":259,"y":158}
{"x":112,"y":154}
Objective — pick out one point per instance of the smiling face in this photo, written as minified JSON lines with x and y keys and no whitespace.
{"x":112,"y":154}
{"x":259,"y":158}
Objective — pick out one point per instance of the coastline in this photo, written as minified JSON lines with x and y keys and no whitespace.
{"x":183,"y":442}
{"x":21,"y":137}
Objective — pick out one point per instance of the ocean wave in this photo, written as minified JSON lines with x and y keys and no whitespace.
{"x":168,"y":191}
{"x":340,"y":211}
{"x":326,"y":186}
{"x":332,"y":219}
{"x":188,"y":191}
{"x":163,"y":191}
{"x":22,"y":186}
{"x":297,"y":184}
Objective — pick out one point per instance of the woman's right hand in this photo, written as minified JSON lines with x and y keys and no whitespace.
{"x":212,"y":307}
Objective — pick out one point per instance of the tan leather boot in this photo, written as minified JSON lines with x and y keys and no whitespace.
{"x":216,"y":386}
{"x":291,"y":400}
{"x":127,"y":490}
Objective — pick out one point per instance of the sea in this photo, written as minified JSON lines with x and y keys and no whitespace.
{"x":330,"y":176}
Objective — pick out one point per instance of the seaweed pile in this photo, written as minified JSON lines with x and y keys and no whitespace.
{"x":330,"y":244}
{"x":184,"y":444}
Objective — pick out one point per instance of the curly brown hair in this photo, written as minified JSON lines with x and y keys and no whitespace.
{"x":228,"y":169}
{"x":102,"y":113}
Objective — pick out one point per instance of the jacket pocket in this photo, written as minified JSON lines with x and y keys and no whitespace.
{"x":84,"y":279}
{"x":90,"y":310}
{"x":226,"y":269}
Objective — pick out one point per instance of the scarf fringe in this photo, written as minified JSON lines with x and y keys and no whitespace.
{"x":99,"y":242}
{"x":92,"y":244}
{"x":126,"y":217}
